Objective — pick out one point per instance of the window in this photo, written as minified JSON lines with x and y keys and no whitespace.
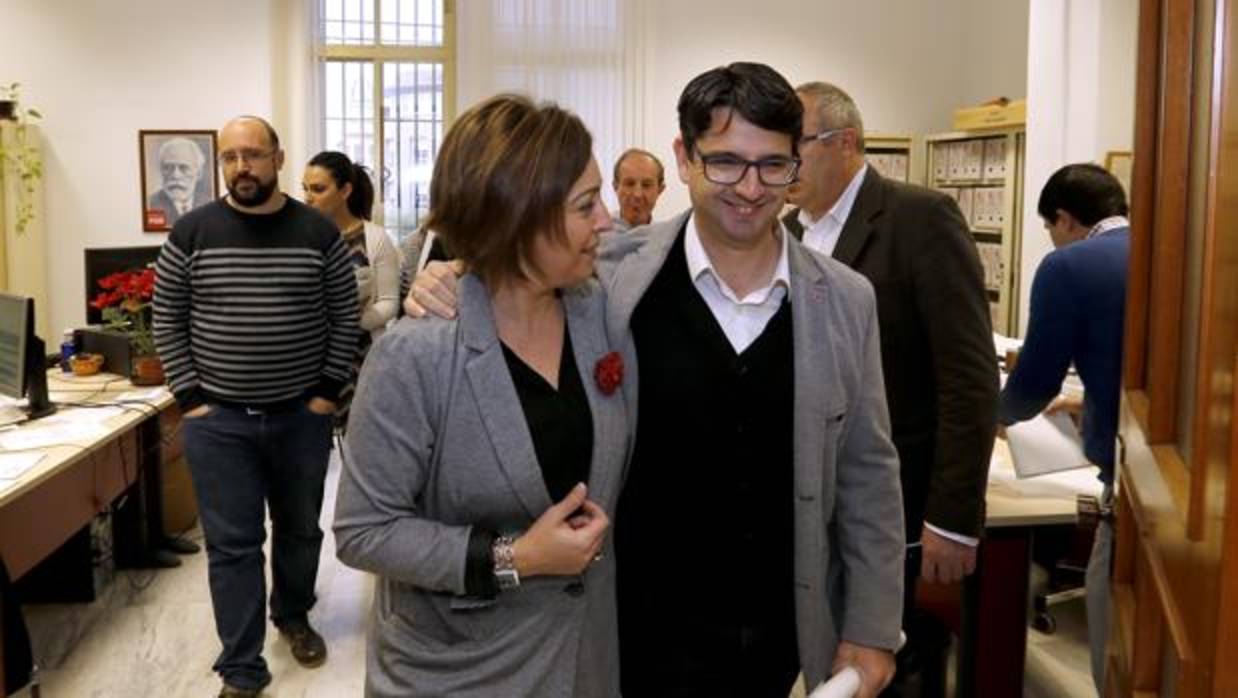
{"x":387,"y":72}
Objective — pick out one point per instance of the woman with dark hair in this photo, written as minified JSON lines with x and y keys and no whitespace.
{"x":341,"y":190}
{"x":487,"y":450}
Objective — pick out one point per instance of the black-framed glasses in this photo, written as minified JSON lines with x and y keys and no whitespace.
{"x":823,"y":135}
{"x":231,"y":157}
{"x":726,"y":168}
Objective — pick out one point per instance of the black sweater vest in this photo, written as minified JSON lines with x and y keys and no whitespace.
{"x":704,"y":530}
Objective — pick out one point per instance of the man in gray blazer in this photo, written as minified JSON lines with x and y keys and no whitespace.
{"x":760,"y":529}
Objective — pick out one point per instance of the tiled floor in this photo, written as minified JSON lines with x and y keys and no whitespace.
{"x":153,"y":635}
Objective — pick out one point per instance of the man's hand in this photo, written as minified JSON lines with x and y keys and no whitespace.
{"x":1070,"y":404}
{"x":944,"y":561}
{"x":199,"y":411}
{"x":434,"y":290}
{"x":875,"y":666}
{"x":321,"y":406}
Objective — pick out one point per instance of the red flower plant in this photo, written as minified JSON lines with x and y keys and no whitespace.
{"x":126,"y":302}
{"x":609,"y":372}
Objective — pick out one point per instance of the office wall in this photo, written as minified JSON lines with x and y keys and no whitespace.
{"x":1081,"y":102}
{"x":99,"y":72}
{"x":102,"y":71}
{"x":908,"y":65}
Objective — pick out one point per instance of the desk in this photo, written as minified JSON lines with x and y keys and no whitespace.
{"x":989,"y":613}
{"x":75,"y":481}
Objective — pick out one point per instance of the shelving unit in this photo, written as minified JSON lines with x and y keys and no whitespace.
{"x":983,"y":172}
{"x":893,"y":156}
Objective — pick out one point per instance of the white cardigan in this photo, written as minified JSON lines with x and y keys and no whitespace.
{"x":378,"y":285}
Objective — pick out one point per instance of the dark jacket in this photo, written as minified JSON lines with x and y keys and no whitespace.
{"x":940,"y":367}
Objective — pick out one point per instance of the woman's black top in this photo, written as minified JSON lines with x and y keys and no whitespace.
{"x":561,"y":425}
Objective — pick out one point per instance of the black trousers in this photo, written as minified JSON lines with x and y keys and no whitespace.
{"x":708,"y":662}
{"x":920,"y":667}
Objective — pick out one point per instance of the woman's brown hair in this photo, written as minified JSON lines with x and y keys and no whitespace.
{"x":502,"y":178}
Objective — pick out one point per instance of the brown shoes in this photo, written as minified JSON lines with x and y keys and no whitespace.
{"x":308,"y":647}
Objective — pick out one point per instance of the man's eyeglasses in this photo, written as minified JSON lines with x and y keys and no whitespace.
{"x":231,"y":157}
{"x":725,"y":168}
{"x":822,"y":136}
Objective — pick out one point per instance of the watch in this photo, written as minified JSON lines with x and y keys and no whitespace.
{"x":504,"y":554}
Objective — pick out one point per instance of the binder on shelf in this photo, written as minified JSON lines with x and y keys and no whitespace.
{"x":941,"y":161}
{"x":956,"y":161}
{"x":967,"y":201}
{"x":995,"y":158}
{"x":973,"y":159}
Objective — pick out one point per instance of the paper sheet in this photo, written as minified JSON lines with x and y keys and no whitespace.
{"x":1045,"y":444}
{"x":53,"y":435}
{"x":14,"y":465}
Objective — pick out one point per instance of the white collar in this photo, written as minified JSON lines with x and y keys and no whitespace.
{"x":1106,"y":224}
{"x":699,"y":264}
{"x":841,"y":208}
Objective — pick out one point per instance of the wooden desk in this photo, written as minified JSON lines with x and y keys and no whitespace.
{"x":77,"y":480}
{"x":989,"y":612}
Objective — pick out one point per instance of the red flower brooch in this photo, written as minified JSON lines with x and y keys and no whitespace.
{"x":609,"y":372}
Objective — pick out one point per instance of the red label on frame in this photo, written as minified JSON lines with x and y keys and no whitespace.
{"x":156,"y":218}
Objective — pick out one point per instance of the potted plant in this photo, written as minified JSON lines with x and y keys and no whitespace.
{"x":125,"y":299}
{"x":19,"y":156}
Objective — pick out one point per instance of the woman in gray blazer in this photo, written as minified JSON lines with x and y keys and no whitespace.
{"x":485,"y":452}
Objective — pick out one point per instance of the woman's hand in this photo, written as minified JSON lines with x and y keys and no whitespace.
{"x":564,"y":539}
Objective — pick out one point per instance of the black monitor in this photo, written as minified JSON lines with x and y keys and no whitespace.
{"x":23,"y":360}
{"x":104,"y":261}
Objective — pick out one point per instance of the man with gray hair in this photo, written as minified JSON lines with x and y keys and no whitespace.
{"x":638,"y":180}
{"x":937,"y":353}
{"x":181,"y":164}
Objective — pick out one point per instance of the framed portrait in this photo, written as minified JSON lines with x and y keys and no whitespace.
{"x":1119,"y":162}
{"x":178,"y":175}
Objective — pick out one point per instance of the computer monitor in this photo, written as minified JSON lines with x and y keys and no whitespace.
{"x":23,"y":360}
{"x":104,"y":261}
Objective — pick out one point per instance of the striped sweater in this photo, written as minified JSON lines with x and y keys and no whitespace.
{"x":255,"y":310}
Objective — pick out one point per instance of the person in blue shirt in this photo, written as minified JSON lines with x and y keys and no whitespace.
{"x":1077,"y":309}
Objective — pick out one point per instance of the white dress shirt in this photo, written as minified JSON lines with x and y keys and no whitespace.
{"x":822,"y":234}
{"x":741,"y":319}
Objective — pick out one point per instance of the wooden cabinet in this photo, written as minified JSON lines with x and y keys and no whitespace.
{"x":983,"y":172}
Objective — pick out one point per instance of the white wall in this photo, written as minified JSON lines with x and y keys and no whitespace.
{"x":908,"y":65}
{"x":99,"y":72}
{"x":1081,"y":102}
{"x":102,"y":71}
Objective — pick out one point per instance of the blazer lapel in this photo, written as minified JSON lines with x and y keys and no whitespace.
{"x":860,"y":224}
{"x":816,"y":368}
{"x":626,"y":270}
{"x":496,"y":399}
{"x":610,"y":434}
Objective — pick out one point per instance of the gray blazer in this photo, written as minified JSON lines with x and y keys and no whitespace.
{"x":438,"y":443}
{"x":848,"y":505}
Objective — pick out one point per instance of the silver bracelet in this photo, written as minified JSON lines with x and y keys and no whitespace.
{"x":504,"y":552}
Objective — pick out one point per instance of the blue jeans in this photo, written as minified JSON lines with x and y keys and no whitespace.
{"x":240,"y":459}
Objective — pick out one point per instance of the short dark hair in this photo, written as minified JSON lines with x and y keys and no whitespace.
{"x":345,"y":171}
{"x":637,"y":151}
{"x":1084,"y":190}
{"x":754,"y":90}
{"x":502,"y":178}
